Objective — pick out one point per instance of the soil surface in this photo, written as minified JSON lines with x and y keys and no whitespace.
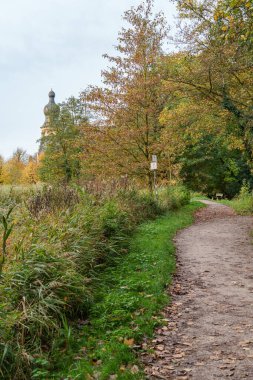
{"x":208,"y":328}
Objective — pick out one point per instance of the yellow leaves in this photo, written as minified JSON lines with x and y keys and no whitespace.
{"x":218,"y":15}
{"x":235,"y":142}
{"x":190,"y":115}
{"x":12,"y":171}
{"x":190,"y":122}
{"x":30,"y":173}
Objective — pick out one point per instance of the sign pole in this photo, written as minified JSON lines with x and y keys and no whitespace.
{"x":155,"y":187}
{"x":153,"y":167}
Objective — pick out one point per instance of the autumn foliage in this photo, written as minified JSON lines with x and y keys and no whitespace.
{"x":191,"y":107}
{"x":19,"y":169}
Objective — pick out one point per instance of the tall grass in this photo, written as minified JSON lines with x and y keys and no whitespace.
{"x":129,"y":297}
{"x":62,"y":240}
{"x":243,"y":203}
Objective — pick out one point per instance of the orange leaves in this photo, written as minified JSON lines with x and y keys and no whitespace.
{"x":126,"y":109}
{"x":129,"y":342}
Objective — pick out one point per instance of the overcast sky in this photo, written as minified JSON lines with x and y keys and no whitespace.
{"x":52,"y":44}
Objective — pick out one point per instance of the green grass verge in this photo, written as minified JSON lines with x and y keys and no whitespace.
{"x":129,"y":297}
{"x":243,"y":206}
{"x":195,"y":196}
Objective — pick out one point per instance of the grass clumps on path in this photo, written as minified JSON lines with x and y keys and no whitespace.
{"x":128,"y":300}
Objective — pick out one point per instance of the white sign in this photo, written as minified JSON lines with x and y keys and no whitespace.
{"x":154,"y":158}
{"x":153,"y":166}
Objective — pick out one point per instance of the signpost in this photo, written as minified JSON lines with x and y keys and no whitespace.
{"x":153,"y":168}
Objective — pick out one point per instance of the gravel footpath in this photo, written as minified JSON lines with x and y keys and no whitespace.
{"x":208,"y":328}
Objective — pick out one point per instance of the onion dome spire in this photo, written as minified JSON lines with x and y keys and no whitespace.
{"x":51,"y":109}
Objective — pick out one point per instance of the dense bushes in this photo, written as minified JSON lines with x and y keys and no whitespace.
{"x":62,"y":239}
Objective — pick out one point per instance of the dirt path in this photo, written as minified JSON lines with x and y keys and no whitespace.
{"x":208,"y":330}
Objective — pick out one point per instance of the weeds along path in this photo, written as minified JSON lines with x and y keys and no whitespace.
{"x":209,"y":329}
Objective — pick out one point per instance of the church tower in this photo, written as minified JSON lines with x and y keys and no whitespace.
{"x":51,"y":110}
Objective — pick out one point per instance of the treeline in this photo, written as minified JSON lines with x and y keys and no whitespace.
{"x":192,"y":107}
{"x":21,"y":168}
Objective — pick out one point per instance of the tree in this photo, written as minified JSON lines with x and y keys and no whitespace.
{"x":20,"y":156}
{"x":210,"y":166}
{"x":13,"y":168}
{"x":216,"y":60}
{"x":30,"y":173}
{"x":210,"y":154}
{"x":62,"y":145}
{"x":126,"y":127}
{"x":235,"y":23}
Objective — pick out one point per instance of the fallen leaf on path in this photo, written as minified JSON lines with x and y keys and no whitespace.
{"x":170,"y":368}
{"x":179,"y":356}
{"x":215,"y":357}
{"x":129,"y":342}
{"x":187,"y":369}
{"x":229,"y":361}
{"x":134,"y":369}
{"x":245,"y":343}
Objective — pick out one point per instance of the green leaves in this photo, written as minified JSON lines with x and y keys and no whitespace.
{"x":63,"y":143}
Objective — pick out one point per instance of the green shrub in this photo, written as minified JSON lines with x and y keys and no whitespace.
{"x":138,"y":206}
{"x":243,"y":203}
{"x":173,"y":197}
{"x":244,"y":191}
{"x":113,"y":219}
